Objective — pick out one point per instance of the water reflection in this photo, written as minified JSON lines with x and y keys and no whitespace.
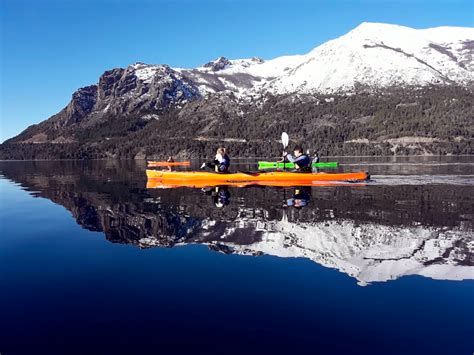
{"x":220,"y":195}
{"x":372,"y":233}
{"x":300,"y":198}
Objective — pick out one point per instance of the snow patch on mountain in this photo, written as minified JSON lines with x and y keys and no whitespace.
{"x":145,"y":72}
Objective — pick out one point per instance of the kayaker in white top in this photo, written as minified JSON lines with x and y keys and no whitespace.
{"x":221,"y":162}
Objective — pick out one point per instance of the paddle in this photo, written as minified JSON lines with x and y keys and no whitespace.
{"x":284,"y":140}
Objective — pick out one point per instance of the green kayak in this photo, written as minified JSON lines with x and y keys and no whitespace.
{"x":270,"y":165}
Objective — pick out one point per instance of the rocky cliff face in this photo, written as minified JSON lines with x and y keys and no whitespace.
{"x":138,"y":89}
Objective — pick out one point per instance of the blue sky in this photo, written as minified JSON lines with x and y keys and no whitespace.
{"x":49,"y":48}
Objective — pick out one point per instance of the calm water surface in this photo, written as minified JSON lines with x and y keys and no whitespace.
{"x":91,"y":261}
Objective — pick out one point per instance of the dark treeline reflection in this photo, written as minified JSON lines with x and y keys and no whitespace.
{"x":375,"y":232}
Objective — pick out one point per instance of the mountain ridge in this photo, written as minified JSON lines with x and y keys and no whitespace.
{"x":372,"y":59}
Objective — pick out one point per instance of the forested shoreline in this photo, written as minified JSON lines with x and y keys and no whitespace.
{"x":427,"y":121}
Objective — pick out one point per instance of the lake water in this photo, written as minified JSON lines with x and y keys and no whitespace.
{"x":91,"y":261}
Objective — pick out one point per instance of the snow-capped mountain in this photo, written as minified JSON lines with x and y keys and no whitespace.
{"x":374,"y":58}
{"x":373,"y":55}
{"x":379,"y":55}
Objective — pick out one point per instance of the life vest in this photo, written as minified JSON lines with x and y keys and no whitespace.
{"x":222,"y":163}
{"x":306,"y":167}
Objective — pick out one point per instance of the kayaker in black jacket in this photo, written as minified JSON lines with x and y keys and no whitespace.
{"x":302,"y":161}
{"x":221,"y":161}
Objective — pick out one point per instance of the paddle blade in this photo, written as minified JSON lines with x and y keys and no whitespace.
{"x":285,"y":139}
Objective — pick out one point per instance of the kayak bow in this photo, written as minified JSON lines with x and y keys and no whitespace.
{"x":270,"y":165}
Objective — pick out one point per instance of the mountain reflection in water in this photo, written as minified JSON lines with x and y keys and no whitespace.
{"x":377,"y":232}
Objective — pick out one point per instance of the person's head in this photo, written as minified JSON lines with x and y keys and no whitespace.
{"x":220,"y":150}
{"x":298,"y":150}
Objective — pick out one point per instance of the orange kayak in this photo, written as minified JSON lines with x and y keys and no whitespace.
{"x":275,"y":178}
{"x":165,"y":184}
{"x":152,"y":164}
